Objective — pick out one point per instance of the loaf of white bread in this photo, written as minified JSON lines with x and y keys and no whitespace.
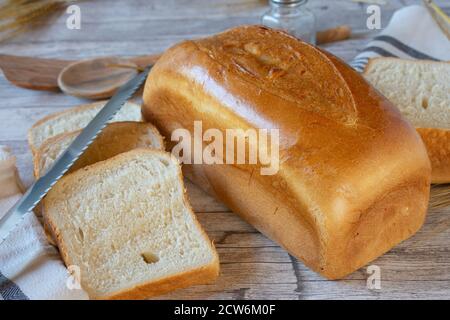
{"x":354,"y":175}
{"x":127,"y":225}
{"x":421,"y":90}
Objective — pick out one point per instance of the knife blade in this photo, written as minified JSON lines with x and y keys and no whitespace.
{"x":41,"y":187}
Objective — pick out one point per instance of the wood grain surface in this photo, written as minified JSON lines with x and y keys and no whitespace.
{"x":252,"y":266}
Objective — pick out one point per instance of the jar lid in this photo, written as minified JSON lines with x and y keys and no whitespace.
{"x":288,"y":1}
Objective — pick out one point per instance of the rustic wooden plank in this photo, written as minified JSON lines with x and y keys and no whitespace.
{"x":246,"y":281}
{"x":389,"y":290}
{"x":138,"y":10}
{"x":19,"y":98}
{"x":223,"y":222}
{"x":315,"y":290}
{"x":222,"y":290}
{"x":252,"y":254}
{"x":104,"y":15}
{"x":98,"y":25}
{"x":201,"y":201}
{"x":238,"y":239}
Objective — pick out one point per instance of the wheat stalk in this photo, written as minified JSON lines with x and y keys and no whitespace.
{"x":440,"y":196}
{"x":18,"y":15}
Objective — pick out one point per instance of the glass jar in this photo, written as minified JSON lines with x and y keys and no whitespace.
{"x":293,"y":17}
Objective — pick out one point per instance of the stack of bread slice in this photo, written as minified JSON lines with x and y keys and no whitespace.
{"x":121,"y":214}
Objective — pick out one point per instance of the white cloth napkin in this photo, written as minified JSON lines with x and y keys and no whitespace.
{"x":29,"y":267}
{"x":411,"y":34}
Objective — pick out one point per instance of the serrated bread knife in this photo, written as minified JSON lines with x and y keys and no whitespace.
{"x":40,"y":188}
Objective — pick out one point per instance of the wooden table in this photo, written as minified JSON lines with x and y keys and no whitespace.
{"x":252,"y":266}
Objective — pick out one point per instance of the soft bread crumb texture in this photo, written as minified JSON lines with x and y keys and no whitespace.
{"x":420,"y":89}
{"x":75,"y":119}
{"x":115,"y":138}
{"x":126,"y":223}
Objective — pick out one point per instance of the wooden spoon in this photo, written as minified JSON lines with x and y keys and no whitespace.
{"x":96,"y":78}
{"x":32,"y":73}
{"x":42,"y":74}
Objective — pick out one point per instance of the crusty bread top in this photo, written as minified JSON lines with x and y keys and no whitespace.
{"x":419,"y":88}
{"x":127,"y":224}
{"x":291,"y":70}
{"x":74,"y":119}
{"x":115,"y":138}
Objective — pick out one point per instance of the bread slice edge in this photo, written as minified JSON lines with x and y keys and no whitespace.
{"x":39,"y":154}
{"x":69,"y":111}
{"x":436,"y":140}
{"x":202,"y":275}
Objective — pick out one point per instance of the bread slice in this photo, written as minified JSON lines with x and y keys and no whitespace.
{"x":421,"y":90}
{"x":127,"y":224}
{"x":115,"y":138}
{"x":75,"y":119}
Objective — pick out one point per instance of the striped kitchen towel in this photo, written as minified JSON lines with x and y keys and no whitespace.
{"x":411,"y":34}
{"x":30,"y":268}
